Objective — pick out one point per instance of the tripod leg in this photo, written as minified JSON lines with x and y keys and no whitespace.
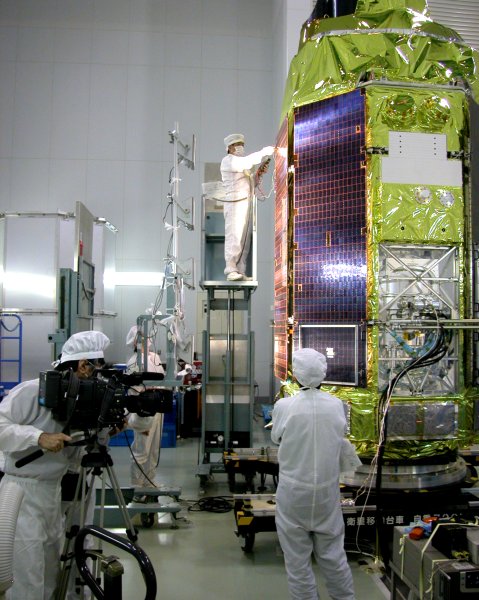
{"x":130,"y":530}
{"x":76,"y":516}
{"x":71,"y":530}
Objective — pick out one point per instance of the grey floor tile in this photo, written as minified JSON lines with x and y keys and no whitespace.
{"x":202,"y":558}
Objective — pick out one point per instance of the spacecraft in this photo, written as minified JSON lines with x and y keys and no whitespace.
{"x":374,"y":251}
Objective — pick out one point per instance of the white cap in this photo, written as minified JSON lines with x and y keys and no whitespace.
{"x":309,"y":367}
{"x":84,"y":345}
{"x":234,"y":138}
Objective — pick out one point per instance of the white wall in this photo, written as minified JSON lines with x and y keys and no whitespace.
{"x":89,"y":90}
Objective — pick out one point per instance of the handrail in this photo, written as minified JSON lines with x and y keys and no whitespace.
{"x":81,"y":556}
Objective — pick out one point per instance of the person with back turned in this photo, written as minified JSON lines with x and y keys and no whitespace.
{"x":309,"y":428}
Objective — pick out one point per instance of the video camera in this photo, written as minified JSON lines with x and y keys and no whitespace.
{"x":102,"y":400}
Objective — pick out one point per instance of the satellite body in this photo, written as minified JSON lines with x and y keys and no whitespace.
{"x":373,"y":243}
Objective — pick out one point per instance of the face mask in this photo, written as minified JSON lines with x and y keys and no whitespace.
{"x":239,"y":151}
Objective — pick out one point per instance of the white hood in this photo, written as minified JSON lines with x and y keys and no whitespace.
{"x":309,"y":367}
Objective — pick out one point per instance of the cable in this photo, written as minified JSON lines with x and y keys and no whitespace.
{"x":136,"y":462}
{"x":435,"y":352}
{"x":262,"y":196}
{"x":433,"y":355}
{"x":215,"y":504}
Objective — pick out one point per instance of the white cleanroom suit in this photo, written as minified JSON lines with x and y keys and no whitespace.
{"x":24,"y":426}
{"x":147,"y":430}
{"x":309,"y":428}
{"x":39,"y":532}
{"x":238,"y":181}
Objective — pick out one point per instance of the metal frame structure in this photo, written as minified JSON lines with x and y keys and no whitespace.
{"x":178,"y":274}
{"x":228,"y":345}
{"x":228,"y":374}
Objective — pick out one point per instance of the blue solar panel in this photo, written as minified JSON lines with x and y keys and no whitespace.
{"x":330,"y":214}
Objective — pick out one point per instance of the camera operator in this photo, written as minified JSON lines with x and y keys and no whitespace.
{"x":26,"y":426}
{"x":147,"y":430}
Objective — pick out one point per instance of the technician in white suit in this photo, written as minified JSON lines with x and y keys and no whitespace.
{"x":309,"y":428}
{"x":25,"y":427}
{"x":147,"y":430}
{"x":237,"y":173}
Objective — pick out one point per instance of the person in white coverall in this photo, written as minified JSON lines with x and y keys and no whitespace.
{"x":309,"y":428}
{"x":26,"y":426}
{"x":147,"y":430}
{"x":237,"y":173}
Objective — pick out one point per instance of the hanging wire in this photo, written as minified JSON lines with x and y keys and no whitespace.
{"x":259,"y":179}
{"x":434,"y":354}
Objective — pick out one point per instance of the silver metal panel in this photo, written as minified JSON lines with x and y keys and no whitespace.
{"x":218,"y":354}
{"x":406,"y":144}
{"x":104,"y":250}
{"x":440,"y":420}
{"x":37,"y":352}
{"x":66,"y":235}
{"x":215,"y":394}
{"x":104,"y":244}
{"x":241,"y":394}
{"x":402,"y":421}
{"x":420,"y":158}
{"x":84,"y":221}
{"x":30,"y":259}
{"x":427,"y":171}
{"x":2,"y":259}
{"x":422,"y":420}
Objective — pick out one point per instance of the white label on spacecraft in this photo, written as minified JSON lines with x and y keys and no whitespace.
{"x":420,"y":159}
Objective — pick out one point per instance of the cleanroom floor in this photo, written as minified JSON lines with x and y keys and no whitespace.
{"x":202,"y":559}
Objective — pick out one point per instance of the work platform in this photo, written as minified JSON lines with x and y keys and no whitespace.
{"x":255,"y":513}
{"x":369,"y":519}
{"x":228,"y":344}
{"x":228,"y":373}
{"x":110,"y":513}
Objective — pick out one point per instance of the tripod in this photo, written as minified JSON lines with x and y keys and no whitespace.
{"x":97,"y":462}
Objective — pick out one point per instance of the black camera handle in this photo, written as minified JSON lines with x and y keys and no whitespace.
{"x":21,"y":462}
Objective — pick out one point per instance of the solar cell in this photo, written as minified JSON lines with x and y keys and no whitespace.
{"x":281,"y":256}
